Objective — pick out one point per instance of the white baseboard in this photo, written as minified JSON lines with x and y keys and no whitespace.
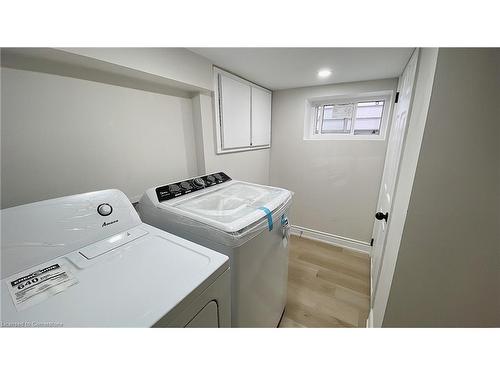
{"x":332,"y":239}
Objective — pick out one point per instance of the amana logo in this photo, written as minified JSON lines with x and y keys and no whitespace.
{"x":111,"y":222}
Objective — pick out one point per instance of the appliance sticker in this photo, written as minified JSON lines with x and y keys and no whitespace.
{"x":29,"y":288}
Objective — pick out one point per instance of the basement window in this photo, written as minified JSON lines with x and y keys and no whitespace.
{"x":349,"y":118}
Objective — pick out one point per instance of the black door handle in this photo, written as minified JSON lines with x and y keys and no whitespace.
{"x":381,"y":216}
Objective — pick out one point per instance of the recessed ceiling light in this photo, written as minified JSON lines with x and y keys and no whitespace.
{"x":323,"y":73}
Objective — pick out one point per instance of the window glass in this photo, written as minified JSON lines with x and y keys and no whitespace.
{"x":336,"y":126}
{"x":337,"y":118}
{"x":368,"y":117}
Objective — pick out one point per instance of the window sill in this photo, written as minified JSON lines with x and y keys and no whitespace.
{"x":345,"y":137}
{"x":243,"y":149}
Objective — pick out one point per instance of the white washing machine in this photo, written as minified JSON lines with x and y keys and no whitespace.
{"x":247,"y":222}
{"x":88,"y":260}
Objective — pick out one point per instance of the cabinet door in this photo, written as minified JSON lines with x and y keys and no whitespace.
{"x":234,"y":113}
{"x":261,"y":117}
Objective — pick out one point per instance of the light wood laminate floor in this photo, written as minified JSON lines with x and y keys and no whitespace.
{"x":328,"y":286}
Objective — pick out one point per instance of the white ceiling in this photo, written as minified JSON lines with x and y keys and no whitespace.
{"x":282,"y":68}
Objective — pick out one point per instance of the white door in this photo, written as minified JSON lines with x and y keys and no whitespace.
{"x":234,"y":113}
{"x":261,"y":117}
{"x":391,"y":167}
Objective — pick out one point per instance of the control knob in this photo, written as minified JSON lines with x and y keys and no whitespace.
{"x":211,"y":178}
{"x":199,"y":182}
{"x":104,"y":209}
{"x":173,"y":188}
{"x":185,"y":185}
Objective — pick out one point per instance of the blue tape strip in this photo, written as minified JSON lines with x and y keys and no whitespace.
{"x":269,"y":217}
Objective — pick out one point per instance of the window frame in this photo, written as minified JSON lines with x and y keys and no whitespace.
{"x":311,"y":117}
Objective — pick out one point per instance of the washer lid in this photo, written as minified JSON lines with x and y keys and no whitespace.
{"x":233,"y":207}
{"x":133,"y":285}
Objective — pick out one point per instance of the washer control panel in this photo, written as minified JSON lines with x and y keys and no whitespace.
{"x":177,"y":189}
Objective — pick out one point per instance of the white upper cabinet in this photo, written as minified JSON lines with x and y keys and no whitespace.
{"x":243,"y":114}
{"x":261,"y":117}
{"x":234,"y":113}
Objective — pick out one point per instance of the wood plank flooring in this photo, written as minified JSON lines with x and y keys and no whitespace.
{"x":328,"y":286}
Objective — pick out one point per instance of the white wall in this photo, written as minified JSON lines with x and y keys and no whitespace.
{"x":178,"y":64}
{"x":64,"y":136}
{"x":448,"y":266}
{"x":252,"y":166}
{"x":336,"y":182}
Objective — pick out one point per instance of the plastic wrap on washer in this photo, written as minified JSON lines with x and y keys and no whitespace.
{"x":230,"y":239}
{"x":234,"y":206}
{"x":38,"y":232}
{"x":230,"y":214}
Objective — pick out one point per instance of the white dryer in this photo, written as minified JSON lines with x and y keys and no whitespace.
{"x":247,"y":222}
{"x":88,"y":260}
